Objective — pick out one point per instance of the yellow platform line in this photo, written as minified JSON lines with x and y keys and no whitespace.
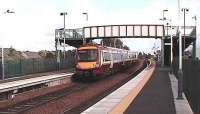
{"x":123,"y":105}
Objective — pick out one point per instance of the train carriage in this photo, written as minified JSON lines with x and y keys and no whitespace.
{"x":97,"y":60}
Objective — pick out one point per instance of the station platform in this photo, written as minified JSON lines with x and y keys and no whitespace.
{"x":34,"y":75}
{"x":153,"y":91}
{"x":13,"y":85}
{"x":16,"y":90}
{"x":9,"y":88}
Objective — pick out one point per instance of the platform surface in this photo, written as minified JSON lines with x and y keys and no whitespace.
{"x":156,"y":97}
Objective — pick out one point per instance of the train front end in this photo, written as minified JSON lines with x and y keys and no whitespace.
{"x":87,"y":64}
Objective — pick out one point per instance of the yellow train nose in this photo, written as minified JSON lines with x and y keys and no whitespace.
{"x":86,"y":65}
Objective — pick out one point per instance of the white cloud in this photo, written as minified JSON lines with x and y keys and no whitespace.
{"x":32,"y":26}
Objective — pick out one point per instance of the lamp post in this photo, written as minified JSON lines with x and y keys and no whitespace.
{"x":171,"y":46}
{"x":167,"y":29}
{"x":194,"y":44}
{"x":163,"y":13}
{"x":164,"y":18}
{"x":162,"y":40}
{"x":63,"y":14}
{"x":86,"y":14}
{"x":2,"y":50}
{"x":184,"y":11}
{"x":180,"y":72}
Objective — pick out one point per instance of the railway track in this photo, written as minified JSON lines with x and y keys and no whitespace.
{"x":73,"y":98}
{"x":36,"y":102}
{"x":87,"y":104}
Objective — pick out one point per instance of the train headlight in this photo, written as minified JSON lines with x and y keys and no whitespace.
{"x":97,"y":65}
{"x":77,"y":66}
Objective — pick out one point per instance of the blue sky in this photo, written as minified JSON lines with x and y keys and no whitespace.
{"x":32,"y":26}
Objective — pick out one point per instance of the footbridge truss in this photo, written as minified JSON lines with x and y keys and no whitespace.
{"x":124,"y":31}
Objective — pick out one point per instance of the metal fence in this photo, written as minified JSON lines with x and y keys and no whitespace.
{"x":191,"y":81}
{"x":16,"y":68}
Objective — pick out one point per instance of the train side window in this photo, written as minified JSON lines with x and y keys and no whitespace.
{"x":115,"y":56}
{"x":106,"y":56}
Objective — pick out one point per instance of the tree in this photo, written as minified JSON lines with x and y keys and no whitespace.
{"x":118,"y":43}
{"x":107,"y":42}
{"x":12,"y":51}
{"x":140,"y":55}
{"x":111,"y":41}
{"x":126,"y":47}
{"x":49,"y":55}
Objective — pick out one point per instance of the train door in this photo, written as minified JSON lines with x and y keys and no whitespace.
{"x":111,"y":58}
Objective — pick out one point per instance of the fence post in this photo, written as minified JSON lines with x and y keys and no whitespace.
{"x":1,"y":71}
{"x":33,"y":70}
{"x":38,"y":64}
{"x":20,"y":66}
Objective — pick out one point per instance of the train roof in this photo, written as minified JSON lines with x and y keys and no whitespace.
{"x":96,"y":46}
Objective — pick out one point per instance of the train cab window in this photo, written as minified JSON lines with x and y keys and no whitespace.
{"x":87,"y":55}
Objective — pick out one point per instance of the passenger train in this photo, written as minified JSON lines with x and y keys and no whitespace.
{"x":97,"y":60}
